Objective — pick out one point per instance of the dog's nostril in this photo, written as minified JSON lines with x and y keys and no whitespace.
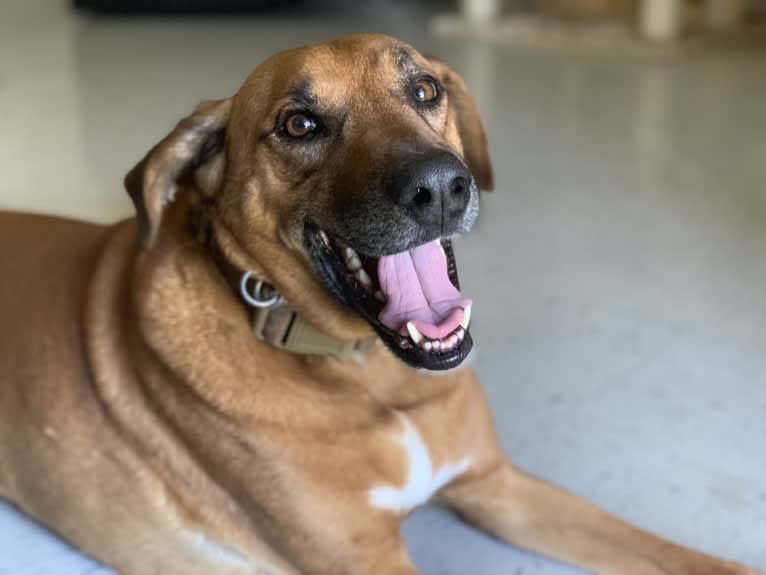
{"x":458,"y":186}
{"x":422,"y":197}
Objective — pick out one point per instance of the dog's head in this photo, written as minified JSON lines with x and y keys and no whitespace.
{"x":340,"y":172}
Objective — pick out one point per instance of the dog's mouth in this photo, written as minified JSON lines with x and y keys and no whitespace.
{"x":412,"y":299}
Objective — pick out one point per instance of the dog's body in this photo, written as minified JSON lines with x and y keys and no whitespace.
{"x":142,"y":420}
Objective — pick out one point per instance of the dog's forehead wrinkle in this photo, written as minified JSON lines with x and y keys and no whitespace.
{"x":352,"y":70}
{"x":302,"y":93}
{"x":405,"y":61}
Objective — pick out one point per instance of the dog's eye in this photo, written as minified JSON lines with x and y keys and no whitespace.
{"x":425,"y":91}
{"x":299,"y":125}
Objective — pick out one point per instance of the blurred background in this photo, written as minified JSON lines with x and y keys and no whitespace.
{"x":618,"y":270}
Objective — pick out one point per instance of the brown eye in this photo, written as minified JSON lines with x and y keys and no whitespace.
{"x":426,"y":90}
{"x":299,"y":125}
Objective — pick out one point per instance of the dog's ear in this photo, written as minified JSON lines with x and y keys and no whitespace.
{"x":466,"y":115}
{"x":192,"y":155}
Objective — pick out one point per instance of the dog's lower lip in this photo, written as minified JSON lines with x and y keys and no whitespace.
{"x":352,"y":277}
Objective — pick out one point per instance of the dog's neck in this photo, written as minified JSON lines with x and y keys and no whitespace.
{"x":274,"y":320}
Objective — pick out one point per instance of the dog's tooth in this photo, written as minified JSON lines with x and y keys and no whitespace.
{"x":436,"y":345}
{"x":415,"y":335}
{"x":460,"y":334}
{"x":452,"y":341}
{"x":466,"y":317}
{"x":380,"y":296}
{"x":427,"y":345}
{"x":354,"y":263}
{"x":364,"y":277}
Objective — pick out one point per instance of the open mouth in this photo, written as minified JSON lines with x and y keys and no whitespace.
{"x":412,"y":299}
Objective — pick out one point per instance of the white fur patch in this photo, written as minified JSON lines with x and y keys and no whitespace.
{"x":216,"y":553}
{"x":422,"y":481}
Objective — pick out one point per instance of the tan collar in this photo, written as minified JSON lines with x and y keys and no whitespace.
{"x":274,"y":321}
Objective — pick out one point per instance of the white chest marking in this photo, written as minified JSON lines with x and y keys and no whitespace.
{"x":422,"y":481}
{"x":221,"y":555}
{"x":215,"y":552}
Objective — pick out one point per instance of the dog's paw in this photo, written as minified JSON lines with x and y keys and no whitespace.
{"x":723,"y":568}
{"x":740,"y":570}
{"x":703,"y":565}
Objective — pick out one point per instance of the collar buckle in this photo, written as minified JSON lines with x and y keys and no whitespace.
{"x":273,"y":320}
{"x":279,"y":326}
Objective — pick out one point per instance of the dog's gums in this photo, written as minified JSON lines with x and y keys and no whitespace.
{"x":435,"y":337}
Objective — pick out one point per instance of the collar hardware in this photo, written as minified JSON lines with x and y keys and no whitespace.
{"x":263,"y":295}
{"x":285,"y":329}
{"x":274,"y":321}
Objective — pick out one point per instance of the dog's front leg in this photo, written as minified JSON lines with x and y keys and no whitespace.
{"x":381,"y":556}
{"x":542,"y":518}
{"x":394,"y":564}
{"x":381,"y":559}
{"x":354,"y":542}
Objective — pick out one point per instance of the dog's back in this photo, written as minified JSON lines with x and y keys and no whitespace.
{"x":45,"y":265}
{"x":58,"y":437}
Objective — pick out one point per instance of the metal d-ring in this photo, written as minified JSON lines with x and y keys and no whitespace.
{"x":256,"y":298}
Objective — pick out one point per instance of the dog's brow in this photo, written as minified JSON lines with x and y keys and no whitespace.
{"x":405,"y":61}
{"x":302,"y":95}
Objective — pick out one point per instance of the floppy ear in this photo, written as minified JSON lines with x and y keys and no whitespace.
{"x":466,"y":115}
{"x":191,"y":155}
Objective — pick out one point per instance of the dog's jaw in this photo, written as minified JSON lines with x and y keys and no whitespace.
{"x":352,"y":278}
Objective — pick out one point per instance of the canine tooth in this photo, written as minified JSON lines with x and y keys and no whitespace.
{"x":363,"y":277}
{"x":466,"y":317}
{"x":415,"y":335}
{"x":379,"y":296}
{"x":352,"y":258}
{"x":354,"y":263}
{"x":460,"y":334}
{"x":427,"y":345}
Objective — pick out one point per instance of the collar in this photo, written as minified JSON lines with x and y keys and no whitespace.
{"x":274,"y":321}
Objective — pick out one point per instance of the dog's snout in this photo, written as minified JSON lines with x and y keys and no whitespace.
{"x":434,"y":188}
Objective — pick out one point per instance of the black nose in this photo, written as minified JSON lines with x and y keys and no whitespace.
{"x":433,"y":188}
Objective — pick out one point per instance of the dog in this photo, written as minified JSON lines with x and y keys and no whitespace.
{"x":242,"y":378}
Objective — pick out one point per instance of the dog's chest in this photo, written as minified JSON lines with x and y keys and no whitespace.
{"x":422,"y":479}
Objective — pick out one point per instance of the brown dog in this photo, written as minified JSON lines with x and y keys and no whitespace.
{"x":143,"y":419}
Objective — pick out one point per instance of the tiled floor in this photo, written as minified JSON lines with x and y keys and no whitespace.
{"x":619,"y":270}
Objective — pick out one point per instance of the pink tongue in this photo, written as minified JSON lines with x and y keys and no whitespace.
{"x":419,"y":290}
